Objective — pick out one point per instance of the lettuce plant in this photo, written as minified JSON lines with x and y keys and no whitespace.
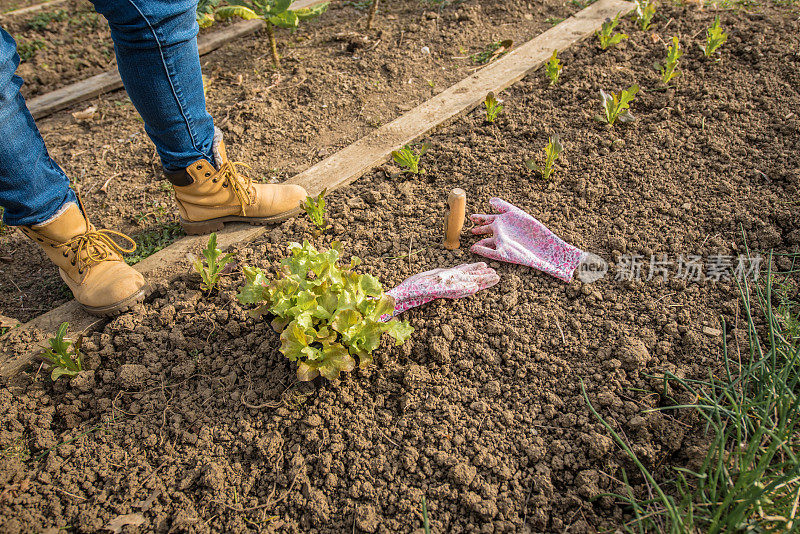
{"x":553,"y":149}
{"x":408,"y":158}
{"x":214,"y":264}
{"x":315,"y":209}
{"x":327,"y":315}
{"x":553,"y":68}
{"x":273,"y":13}
{"x":493,"y":107}
{"x":670,"y":67}
{"x":606,"y":33}
{"x":645,"y":10}
{"x":64,"y":356}
{"x":616,"y":107}
{"x":715,"y":38}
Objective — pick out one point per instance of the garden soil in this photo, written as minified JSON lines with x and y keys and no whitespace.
{"x":189,"y":418}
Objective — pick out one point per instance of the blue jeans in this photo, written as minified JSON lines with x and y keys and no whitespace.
{"x":156,"y":47}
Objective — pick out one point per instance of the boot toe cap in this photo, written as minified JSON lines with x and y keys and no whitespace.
{"x":109,"y":284}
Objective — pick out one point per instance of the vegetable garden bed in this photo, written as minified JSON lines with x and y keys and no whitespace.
{"x":191,"y":418}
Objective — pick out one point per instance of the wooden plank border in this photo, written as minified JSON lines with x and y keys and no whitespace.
{"x":337,"y":170}
{"x":32,"y":9}
{"x":47,"y":104}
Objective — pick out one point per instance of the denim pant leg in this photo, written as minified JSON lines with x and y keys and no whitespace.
{"x":32,"y":186}
{"x":156,"y":46}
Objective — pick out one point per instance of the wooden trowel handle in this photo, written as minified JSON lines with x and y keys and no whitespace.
{"x":457,"y":205}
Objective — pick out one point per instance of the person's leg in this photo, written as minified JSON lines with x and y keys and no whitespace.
{"x":33,"y":188}
{"x":156,"y":46}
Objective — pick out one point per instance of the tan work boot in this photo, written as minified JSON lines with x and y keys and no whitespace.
{"x":208,"y":197}
{"x":89,"y":261}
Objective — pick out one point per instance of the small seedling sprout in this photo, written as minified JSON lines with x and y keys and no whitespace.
{"x":554,"y":67}
{"x":715,"y":38}
{"x":645,"y":10}
{"x":315,"y":208}
{"x":553,"y":149}
{"x":670,"y":67}
{"x":616,"y":107}
{"x":211,"y":269}
{"x":273,"y":13}
{"x":606,"y":33}
{"x":493,"y":107}
{"x":64,"y":355}
{"x":408,"y":157}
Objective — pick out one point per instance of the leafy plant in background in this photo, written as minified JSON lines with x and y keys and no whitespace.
{"x":553,"y":149}
{"x":205,"y":12}
{"x":211,"y":269}
{"x":493,"y":107}
{"x":408,"y":157}
{"x":606,"y":33}
{"x":715,"y":38}
{"x":553,"y":68}
{"x":63,"y":355}
{"x":327,"y":315}
{"x":669,"y":69}
{"x":645,"y":10}
{"x":315,"y":209}
{"x":492,"y":52}
{"x":273,"y":13}
{"x":616,"y":107}
{"x":27,"y":49}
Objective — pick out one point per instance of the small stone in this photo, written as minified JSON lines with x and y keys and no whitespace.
{"x":132,"y":375}
{"x":447,"y":332}
{"x":633,"y":353}
{"x":367,"y":518}
{"x":314,"y":420}
{"x":713,"y":332}
{"x":463,"y":473}
{"x":83,"y":381}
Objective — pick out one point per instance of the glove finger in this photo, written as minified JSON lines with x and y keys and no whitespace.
{"x":483,"y":273}
{"x":480,"y":230}
{"x":488,"y":281}
{"x":471,"y":268}
{"x":481,"y":249}
{"x":482,"y":218}
{"x":488,"y":242}
{"x":501,"y":205}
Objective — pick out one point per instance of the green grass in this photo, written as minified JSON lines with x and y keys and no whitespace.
{"x":151,"y":241}
{"x":28,"y":48}
{"x":749,"y":480}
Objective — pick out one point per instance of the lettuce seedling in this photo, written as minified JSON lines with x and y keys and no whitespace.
{"x":669,"y":69}
{"x":408,"y":158}
{"x":606,"y":33}
{"x":553,"y":68}
{"x":493,"y":107}
{"x":615,"y":107}
{"x":315,"y":209}
{"x":205,"y":12}
{"x":553,"y":149}
{"x":210,"y":269}
{"x":65,"y":356}
{"x":273,"y":13}
{"x":715,"y":37}
{"x":327,"y":315}
{"x":645,"y":10}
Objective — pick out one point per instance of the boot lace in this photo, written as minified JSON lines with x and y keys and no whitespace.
{"x":241,"y":185}
{"x":95,"y":246}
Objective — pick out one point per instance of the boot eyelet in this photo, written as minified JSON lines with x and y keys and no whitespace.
{"x":214,"y":180}
{"x":73,"y":263}
{"x":66,"y":254}
{"x":80,"y":271}
{"x":225,"y":185}
{"x":208,"y":174}
{"x":200,"y":167}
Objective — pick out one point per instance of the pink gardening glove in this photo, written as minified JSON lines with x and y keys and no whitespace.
{"x":455,"y":282}
{"x":519,"y":238}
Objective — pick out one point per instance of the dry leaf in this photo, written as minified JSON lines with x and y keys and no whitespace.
{"x":115,"y":525}
{"x":85,"y":115}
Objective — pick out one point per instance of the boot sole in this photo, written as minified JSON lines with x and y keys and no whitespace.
{"x":213,"y":225}
{"x":119,"y":307}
